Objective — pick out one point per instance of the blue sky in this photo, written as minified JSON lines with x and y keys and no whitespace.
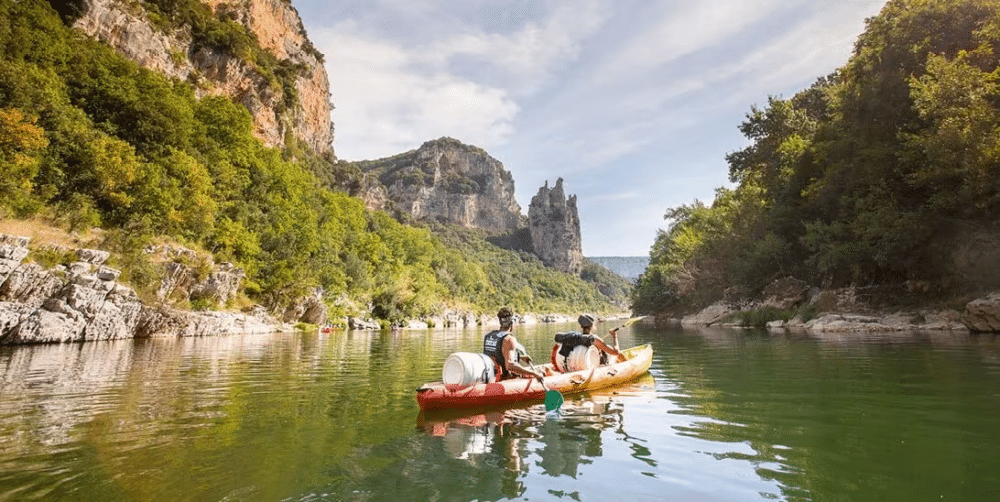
{"x":633,"y":103}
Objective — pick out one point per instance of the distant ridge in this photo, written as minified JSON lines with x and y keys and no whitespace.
{"x":629,"y":267}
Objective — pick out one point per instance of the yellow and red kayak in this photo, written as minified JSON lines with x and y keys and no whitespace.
{"x":437,"y":395}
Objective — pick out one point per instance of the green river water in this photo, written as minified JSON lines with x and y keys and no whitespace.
{"x":722,"y":415}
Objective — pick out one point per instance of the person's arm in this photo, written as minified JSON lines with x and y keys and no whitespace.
{"x":611,"y":350}
{"x":614,"y":343}
{"x":513,"y":364}
{"x":614,"y":338}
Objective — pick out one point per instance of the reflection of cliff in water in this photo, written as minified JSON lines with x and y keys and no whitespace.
{"x":91,"y":374}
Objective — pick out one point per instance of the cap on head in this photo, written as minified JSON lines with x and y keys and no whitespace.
{"x":586,"y":320}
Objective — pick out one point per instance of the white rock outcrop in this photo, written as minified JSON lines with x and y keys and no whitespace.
{"x":709,"y":315}
{"x":446,"y":180}
{"x":84,"y":302}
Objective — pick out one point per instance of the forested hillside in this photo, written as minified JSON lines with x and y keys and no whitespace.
{"x":886,"y":171}
{"x":88,"y":139}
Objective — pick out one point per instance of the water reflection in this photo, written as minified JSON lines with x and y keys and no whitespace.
{"x":723,"y":415}
{"x":558,"y":442}
{"x":901,"y":415}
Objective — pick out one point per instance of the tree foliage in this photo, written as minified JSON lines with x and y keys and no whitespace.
{"x":853,"y":180}
{"x":21,"y":142}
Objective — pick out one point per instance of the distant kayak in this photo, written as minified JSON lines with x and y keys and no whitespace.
{"x":437,"y":395}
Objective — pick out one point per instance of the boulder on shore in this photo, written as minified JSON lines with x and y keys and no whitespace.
{"x":709,"y":315}
{"x":357,"y":323}
{"x":983,"y":314}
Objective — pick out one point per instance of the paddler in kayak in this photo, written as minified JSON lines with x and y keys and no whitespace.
{"x":506,"y":353}
{"x":587,"y":324}
{"x":566,"y":342}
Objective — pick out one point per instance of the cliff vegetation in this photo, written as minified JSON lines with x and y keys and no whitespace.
{"x":89,"y":139}
{"x":886,"y":172}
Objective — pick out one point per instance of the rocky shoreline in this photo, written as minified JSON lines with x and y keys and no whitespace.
{"x":84,"y":301}
{"x":846,"y":310}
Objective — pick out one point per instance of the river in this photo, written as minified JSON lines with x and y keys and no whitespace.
{"x":722,"y":415}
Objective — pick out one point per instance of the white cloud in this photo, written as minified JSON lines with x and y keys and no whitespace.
{"x":535,"y":48}
{"x":810,"y":49}
{"x":643,"y":96}
{"x":390,"y":97}
{"x":385,"y":106}
{"x":677,"y":30}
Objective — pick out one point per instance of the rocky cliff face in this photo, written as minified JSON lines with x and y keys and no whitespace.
{"x":449,"y":181}
{"x":278,"y":29}
{"x":84,"y":301}
{"x":189,"y":277}
{"x":555,"y":229}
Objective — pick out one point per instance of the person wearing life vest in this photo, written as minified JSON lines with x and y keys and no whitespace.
{"x":506,"y":353}
{"x":567,"y":341}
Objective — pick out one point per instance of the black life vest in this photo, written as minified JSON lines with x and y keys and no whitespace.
{"x":493,"y":347}
{"x":573,"y":339}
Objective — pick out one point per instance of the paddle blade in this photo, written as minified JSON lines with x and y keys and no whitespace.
{"x":633,"y":321}
{"x":553,"y":400}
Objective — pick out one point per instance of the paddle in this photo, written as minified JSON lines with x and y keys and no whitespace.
{"x":553,"y":399}
{"x":629,"y":322}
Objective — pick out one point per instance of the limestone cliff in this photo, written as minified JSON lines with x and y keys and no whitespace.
{"x":292,"y":95}
{"x":446,"y":180}
{"x":555,"y":229}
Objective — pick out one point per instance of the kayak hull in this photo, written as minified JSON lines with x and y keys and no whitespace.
{"x":437,"y":395}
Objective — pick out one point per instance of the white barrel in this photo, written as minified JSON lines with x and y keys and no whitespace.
{"x":580,"y":358}
{"x":467,"y":368}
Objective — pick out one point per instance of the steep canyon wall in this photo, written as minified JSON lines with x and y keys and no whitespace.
{"x":127,"y":28}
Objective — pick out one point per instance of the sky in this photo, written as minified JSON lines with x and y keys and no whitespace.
{"x":634,"y":103}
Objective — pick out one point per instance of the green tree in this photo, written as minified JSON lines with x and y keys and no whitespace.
{"x":21,"y":142}
{"x":858,"y":179}
{"x":958,"y":150}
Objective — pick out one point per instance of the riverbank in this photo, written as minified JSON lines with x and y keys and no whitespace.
{"x":77,"y":297}
{"x":792,"y":305}
{"x":84,"y":301}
